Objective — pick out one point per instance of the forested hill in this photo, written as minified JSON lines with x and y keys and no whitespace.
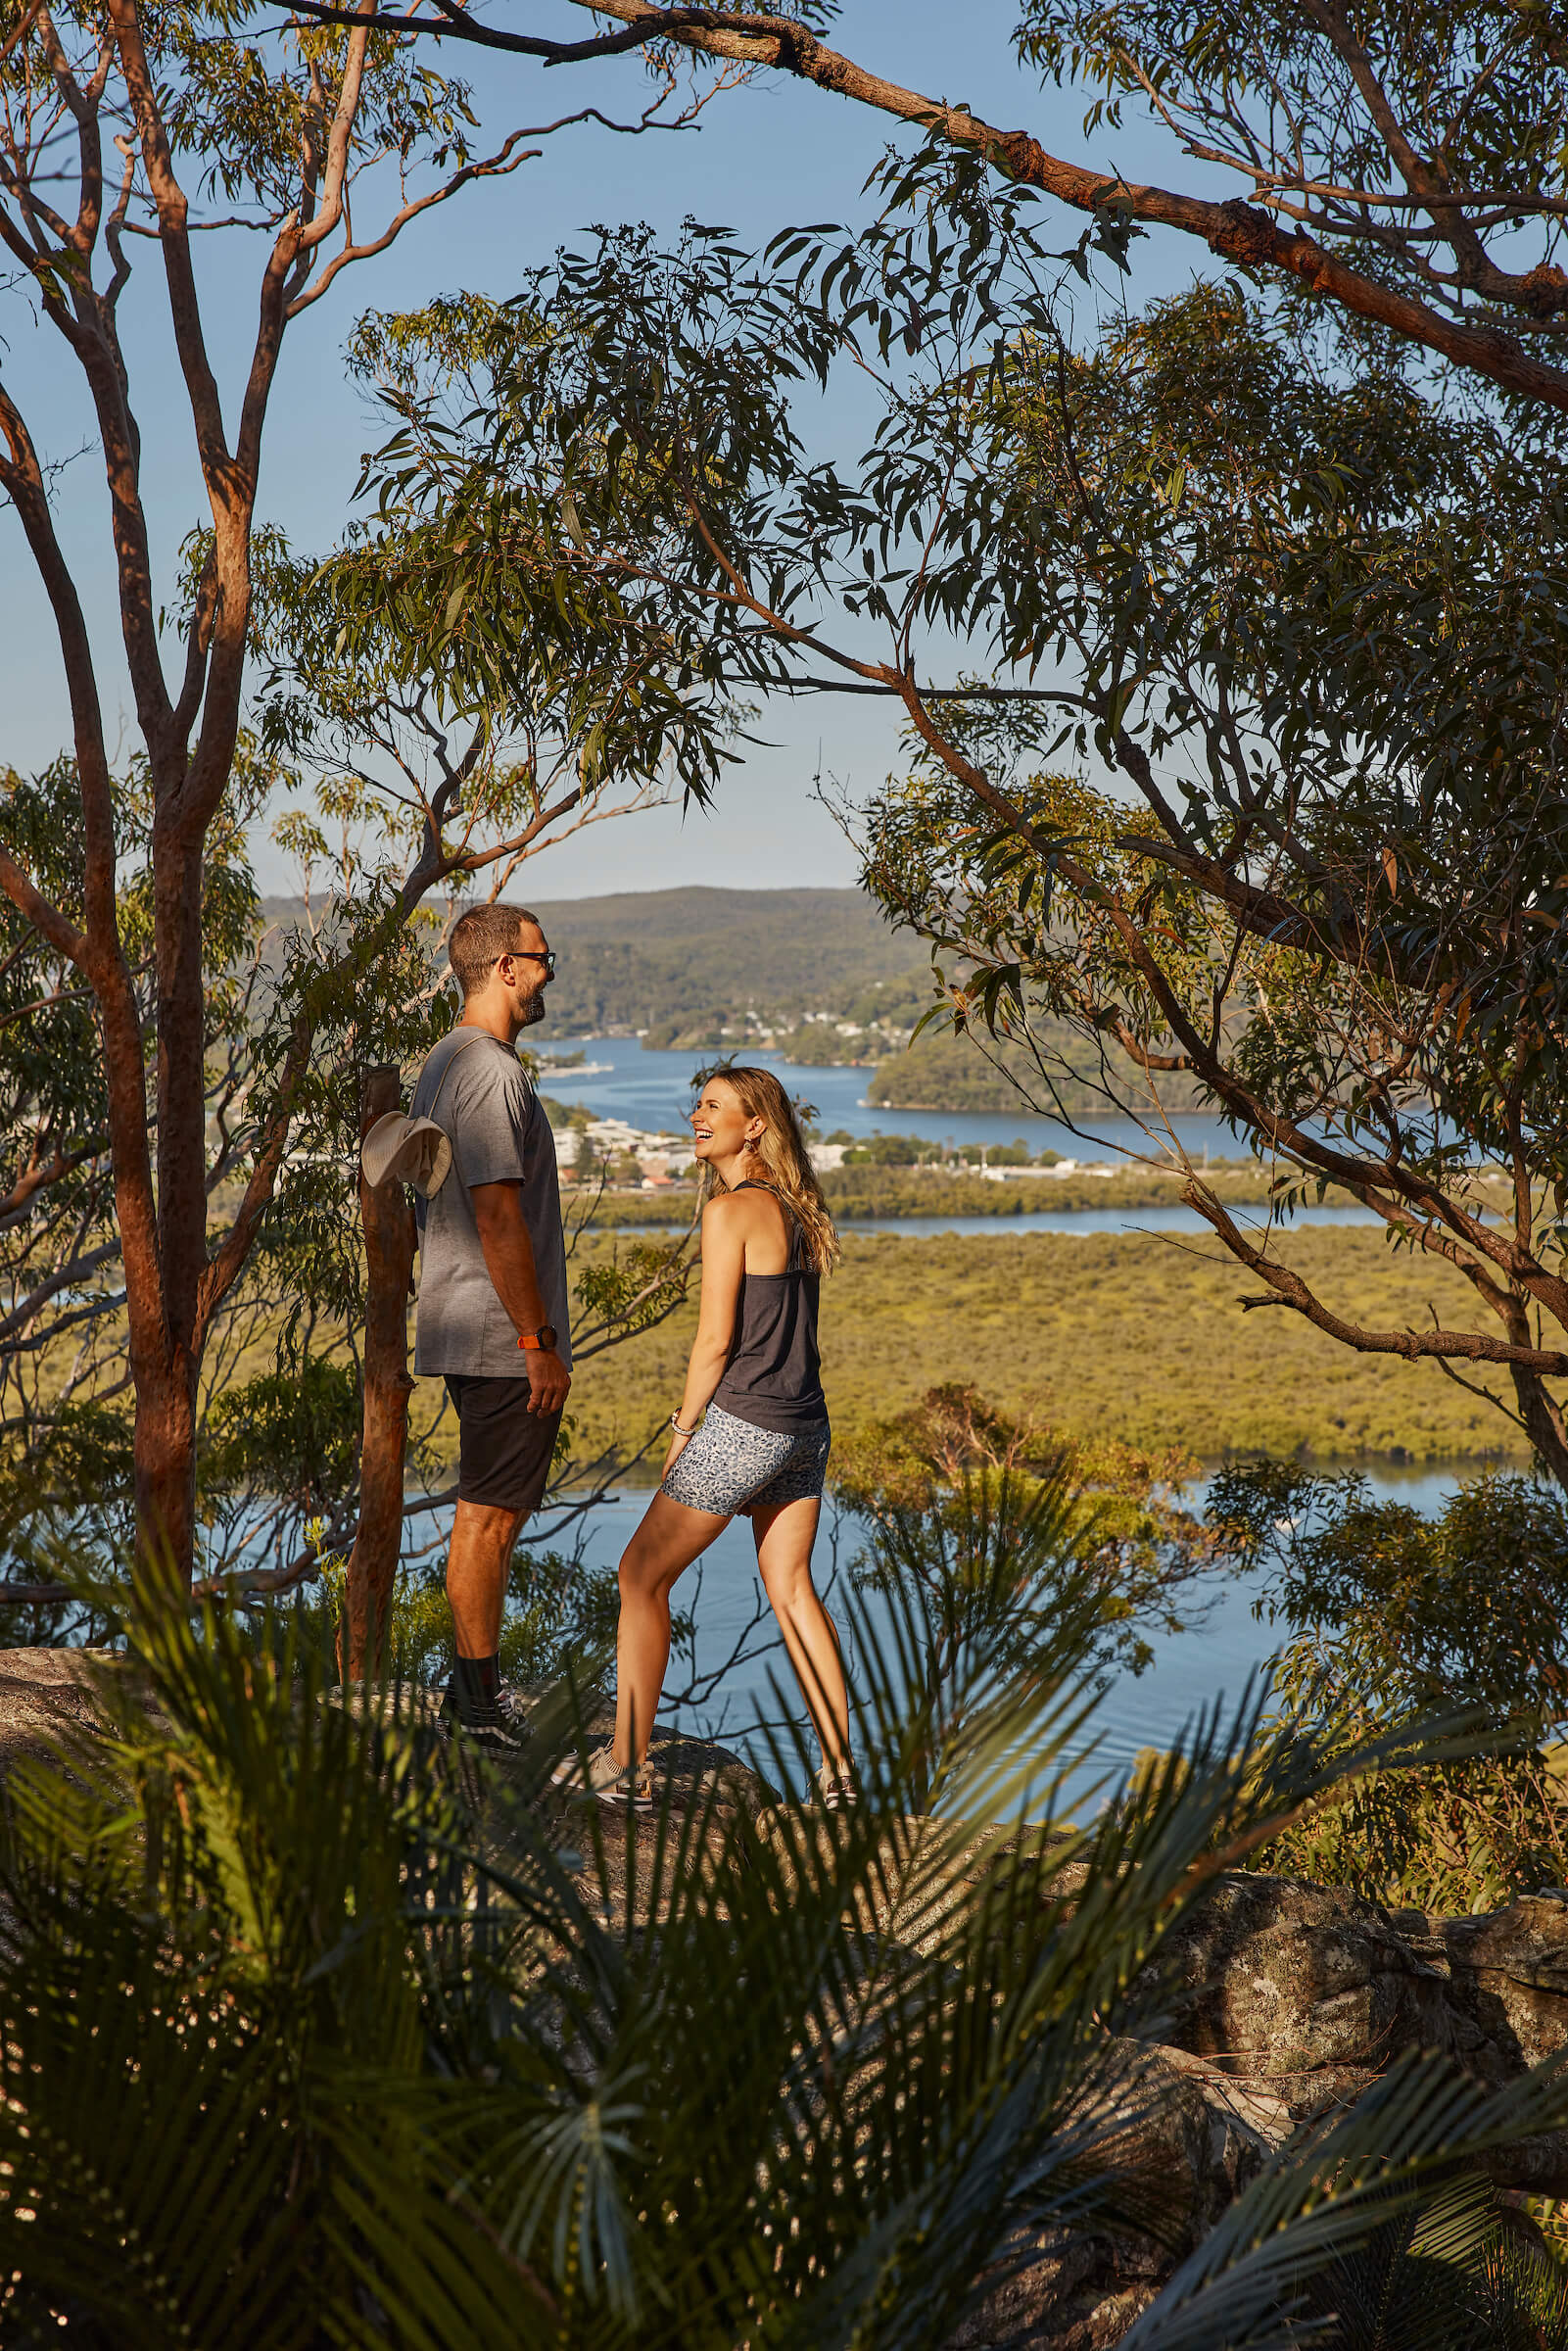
{"x":705,"y":969}
{"x":677,"y":961}
{"x":814,"y":973}
{"x":671,"y":960}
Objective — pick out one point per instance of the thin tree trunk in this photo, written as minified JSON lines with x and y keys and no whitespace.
{"x":389,"y":1238}
{"x":164,"y":1455}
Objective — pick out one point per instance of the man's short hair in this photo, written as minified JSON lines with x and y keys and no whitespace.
{"x":479,"y":938}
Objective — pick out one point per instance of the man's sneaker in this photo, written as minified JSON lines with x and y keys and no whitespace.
{"x":501,"y":1726}
{"x":602,"y":1777}
{"x":513,"y":1715}
{"x":836,"y":1789}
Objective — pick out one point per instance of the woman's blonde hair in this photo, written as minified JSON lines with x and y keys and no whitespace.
{"x":778,"y":1159}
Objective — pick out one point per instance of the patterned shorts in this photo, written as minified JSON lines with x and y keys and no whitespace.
{"x":731,"y":1466}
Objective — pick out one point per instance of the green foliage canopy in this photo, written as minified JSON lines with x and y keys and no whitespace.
{"x":1391,"y":1614}
{"x":1309,"y":613}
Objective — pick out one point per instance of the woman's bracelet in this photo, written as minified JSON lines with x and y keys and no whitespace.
{"x":675,"y":1423}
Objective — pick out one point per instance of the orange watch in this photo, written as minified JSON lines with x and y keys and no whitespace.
{"x":540,"y":1341}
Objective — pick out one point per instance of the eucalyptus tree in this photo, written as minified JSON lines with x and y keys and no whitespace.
{"x":1405,"y":165}
{"x":1302,"y":618}
{"x":278,"y":1407}
{"x":1315,"y":625}
{"x":131,"y":134}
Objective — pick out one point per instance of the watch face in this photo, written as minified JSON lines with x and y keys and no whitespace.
{"x":546,"y":1334}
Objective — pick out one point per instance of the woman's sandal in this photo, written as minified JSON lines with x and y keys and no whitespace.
{"x":837,"y":1789}
{"x":606,"y":1780}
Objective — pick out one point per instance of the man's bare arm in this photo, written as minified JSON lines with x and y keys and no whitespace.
{"x":509,"y":1263}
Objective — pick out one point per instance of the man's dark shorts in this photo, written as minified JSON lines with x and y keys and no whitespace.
{"x":504,"y":1450}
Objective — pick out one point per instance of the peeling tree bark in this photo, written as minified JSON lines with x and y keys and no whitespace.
{"x":389,"y":1244}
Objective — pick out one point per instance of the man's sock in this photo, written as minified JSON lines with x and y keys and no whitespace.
{"x":476,"y":1684}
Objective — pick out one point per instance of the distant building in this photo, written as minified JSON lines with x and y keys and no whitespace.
{"x":617,"y":1139}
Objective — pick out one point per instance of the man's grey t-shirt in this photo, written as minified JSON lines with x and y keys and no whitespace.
{"x":477,"y":1090}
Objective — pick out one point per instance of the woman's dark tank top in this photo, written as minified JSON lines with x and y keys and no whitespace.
{"x":774,"y":1376}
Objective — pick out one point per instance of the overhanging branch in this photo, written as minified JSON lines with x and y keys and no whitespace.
{"x":1288,"y":1289}
{"x":1237,"y":231}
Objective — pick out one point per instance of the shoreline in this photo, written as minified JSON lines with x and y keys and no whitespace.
{"x":875,"y":1193}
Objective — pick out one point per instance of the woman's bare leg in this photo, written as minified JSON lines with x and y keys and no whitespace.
{"x":785,"y":1535}
{"x":669,"y":1537}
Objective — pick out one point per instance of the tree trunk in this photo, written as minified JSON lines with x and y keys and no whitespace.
{"x":165,"y":1455}
{"x":388,"y":1243}
{"x":1543,"y":1423}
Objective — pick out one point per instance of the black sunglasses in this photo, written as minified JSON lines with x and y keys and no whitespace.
{"x":530,"y":955}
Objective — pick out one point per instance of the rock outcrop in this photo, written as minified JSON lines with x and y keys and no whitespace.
{"x":1507,"y":1975}
{"x":1276,"y":2000}
{"x":1313,"y":1991}
{"x":44,"y":1693}
{"x":1305,"y":1987}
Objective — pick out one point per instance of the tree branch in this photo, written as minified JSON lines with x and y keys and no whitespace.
{"x":40,"y":1175}
{"x":496,"y":166}
{"x":1237,"y":231}
{"x":1290,"y":1290}
{"x":172,"y":208}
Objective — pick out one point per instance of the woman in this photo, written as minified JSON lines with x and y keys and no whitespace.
{"x":761,"y":1449}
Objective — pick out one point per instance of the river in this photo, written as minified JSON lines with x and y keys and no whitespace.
{"x":654,"y":1091}
{"x":651,"y":1091}
{"x":1076,"y":1219}
{"x":1209,"y":1664}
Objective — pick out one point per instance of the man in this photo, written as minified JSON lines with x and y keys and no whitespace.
{"x":492,"y":1294}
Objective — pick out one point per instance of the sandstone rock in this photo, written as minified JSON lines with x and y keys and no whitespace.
{"x":1071,"y":2294}
{"x":1197,"y":2137}
{"x":1196,"y":2133}
{"x":693,"y":1767}
{"x":1508,"y":1981}
{"x":924,"y":1871}
{"x":1304,"y":1986}
{"x":1312,"y":1992}
{"x":43,"y":1691}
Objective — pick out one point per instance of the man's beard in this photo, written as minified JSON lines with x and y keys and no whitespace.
{"x":534,"y":1009}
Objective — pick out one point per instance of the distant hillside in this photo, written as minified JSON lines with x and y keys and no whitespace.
{"x":670,"y":960}
{"x":676,"y":960}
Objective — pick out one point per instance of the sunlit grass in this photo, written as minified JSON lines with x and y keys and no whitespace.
{"x":1134,"y":1336}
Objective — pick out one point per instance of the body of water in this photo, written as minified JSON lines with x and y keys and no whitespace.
{"x":1074,"y":1220}
{"x":653,"y":1091}
{"x":1210,"y":1664}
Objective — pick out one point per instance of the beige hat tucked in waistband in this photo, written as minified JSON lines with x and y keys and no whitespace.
{"x":404,"y":1150}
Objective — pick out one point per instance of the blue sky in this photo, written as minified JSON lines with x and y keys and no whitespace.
{"x":763,"y":156}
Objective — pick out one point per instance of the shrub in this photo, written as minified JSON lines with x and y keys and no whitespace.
{"x":956,"y":1488}
{"x":558,"y":1611}
{"x":1394,"y":1614}
{"x":300,"y":2046}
